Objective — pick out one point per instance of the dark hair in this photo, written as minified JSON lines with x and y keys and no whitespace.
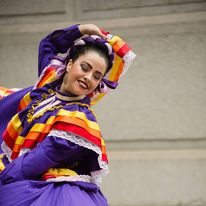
{"x":96,"y":45}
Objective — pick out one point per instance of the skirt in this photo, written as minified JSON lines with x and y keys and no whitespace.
{"x":39,"y":193}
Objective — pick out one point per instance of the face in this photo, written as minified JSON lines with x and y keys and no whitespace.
{"x":84,"y":74}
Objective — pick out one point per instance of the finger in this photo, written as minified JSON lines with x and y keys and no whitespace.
{"x":103,"y":35}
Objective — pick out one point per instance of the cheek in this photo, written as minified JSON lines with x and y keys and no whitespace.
{"x":95,"y":85}
{"x":66,"y":78}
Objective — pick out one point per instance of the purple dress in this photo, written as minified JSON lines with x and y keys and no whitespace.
{"x":21,"y":181}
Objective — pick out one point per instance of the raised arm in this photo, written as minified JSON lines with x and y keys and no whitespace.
{"x":60,"y":41}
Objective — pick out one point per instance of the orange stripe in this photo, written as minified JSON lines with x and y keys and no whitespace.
{"x":22,"y":104}
{"x":25,"y":101}
{"x":117,"y":45}
{"x":80,"y":115}
{"x":48,"y":71}
{"x":41,"y":127}
{"x":16,"y":148}
{"x":48,"y":76}
{"x":33,"y":135}
{"x":44,"y":80}
{"x":4,"y":89}
{"x":11,"y":131}
{"x":121,"y":66}
{"x":103,"y":149}
{"x":30,"y":139}
{"x":78,"y":122}
{"x":47,"y":128}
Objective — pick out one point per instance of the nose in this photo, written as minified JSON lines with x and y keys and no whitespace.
{"x":88,"y":76}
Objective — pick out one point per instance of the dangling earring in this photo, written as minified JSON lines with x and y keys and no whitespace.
{"x":102,"y":87}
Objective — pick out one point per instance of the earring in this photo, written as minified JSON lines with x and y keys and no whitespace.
{"x":102,"y":87}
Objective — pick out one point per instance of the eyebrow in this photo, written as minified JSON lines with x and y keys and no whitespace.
{"x":90,"y":66}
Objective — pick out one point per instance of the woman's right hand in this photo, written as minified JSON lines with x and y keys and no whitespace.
{"x":91,"y":29}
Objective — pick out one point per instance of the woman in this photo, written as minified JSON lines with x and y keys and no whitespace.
{"x":53,"y":150}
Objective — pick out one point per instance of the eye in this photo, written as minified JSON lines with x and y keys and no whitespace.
{"x":84,"y":67}
{"x":97,"y":76}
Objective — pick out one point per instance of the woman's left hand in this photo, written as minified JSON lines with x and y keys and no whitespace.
{"x":91,"y":29}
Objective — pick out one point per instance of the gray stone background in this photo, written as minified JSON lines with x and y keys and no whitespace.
{"x":154,"y":123}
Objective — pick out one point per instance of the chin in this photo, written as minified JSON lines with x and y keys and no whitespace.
{"x":82,"y":92}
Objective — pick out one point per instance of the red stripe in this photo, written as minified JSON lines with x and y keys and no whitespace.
{"x":47,"y":176}
{"x":79,"y":131}
{"x":123,"y":50}
{"x":104,"y":158}
{"x":28,"y":143}
{"x":42,"y":137}
{"x":8,"y":140}
{"x":14,"y":155}
{"x":104,"y":32}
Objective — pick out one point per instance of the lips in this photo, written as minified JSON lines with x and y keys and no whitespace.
{"x":83,"y":84}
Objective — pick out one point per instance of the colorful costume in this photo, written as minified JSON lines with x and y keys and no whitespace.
{"x":54,"y":153}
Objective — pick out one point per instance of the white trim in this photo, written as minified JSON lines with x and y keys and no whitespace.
{"x":82,"y":178}
{"x":24,"y":151}
{"x":7,"y":151}
{"x":128,"y":58}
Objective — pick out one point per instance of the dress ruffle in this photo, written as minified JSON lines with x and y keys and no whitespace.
{"x":37,"y":193}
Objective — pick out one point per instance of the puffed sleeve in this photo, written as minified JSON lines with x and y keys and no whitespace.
{"x":58,"y":41}
{"x":49,"y":153}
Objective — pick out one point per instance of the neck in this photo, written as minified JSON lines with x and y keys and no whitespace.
{"x":66,"y":96}
{"x":63,"y":91}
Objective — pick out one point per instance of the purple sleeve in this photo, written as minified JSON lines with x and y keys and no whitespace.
{"x":58,"y":41}
{"x":47,"y":154}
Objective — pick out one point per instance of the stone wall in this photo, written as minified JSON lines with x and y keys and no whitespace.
{"x":154,"y":123}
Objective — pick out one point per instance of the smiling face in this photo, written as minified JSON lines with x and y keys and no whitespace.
{"x":84,"y":74}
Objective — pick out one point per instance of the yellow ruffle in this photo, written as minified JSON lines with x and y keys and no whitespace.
{"x":60,"y":172}
{"x":1,"y":163}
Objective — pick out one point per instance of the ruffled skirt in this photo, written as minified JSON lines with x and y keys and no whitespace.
{"x":39,"y":193}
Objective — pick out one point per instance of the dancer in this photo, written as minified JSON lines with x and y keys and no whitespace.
{"x":53,"y":151}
